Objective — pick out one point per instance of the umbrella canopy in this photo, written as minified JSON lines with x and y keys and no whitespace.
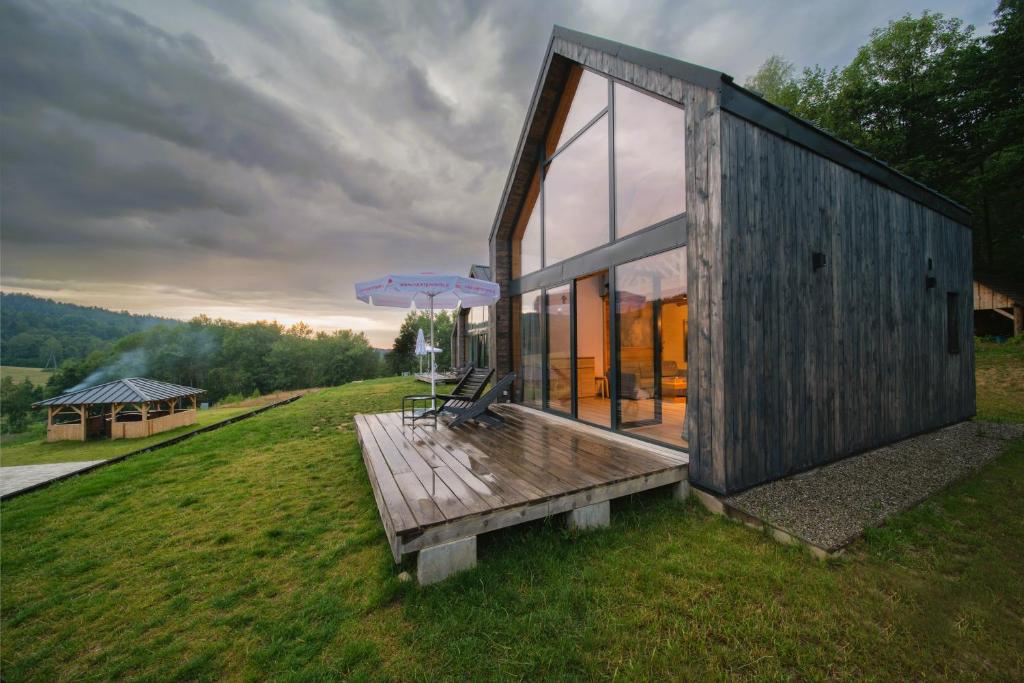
{"x":428,"y":290}
{"x":444,"y":291}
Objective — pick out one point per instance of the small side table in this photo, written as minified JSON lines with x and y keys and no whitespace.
{"x":418,"y":407}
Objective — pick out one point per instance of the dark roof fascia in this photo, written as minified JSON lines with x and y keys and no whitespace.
{"x":518,"y":156}
{"x":684,"y":71}
{"x":745,"y":104}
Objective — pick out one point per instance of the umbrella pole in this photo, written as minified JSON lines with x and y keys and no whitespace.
{"x":433,"y":391}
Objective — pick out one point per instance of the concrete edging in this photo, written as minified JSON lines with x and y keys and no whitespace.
{"x":718,"y":506}
{"x":154,"y":447}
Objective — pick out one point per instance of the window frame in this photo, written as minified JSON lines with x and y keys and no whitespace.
{"x":543,"y":160}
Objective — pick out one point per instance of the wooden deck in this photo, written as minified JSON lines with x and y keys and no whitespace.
{"x":434,"y":486}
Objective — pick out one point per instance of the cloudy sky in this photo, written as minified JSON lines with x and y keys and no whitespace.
{"x":251,"y":160}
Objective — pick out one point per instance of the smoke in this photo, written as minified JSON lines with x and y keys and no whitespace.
{"x":129,"y":364}
{"x":177,"y":354}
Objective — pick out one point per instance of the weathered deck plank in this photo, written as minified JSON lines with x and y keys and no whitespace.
{"x":437,"y":485}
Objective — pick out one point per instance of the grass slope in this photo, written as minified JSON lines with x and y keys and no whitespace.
{"x":999,"y":373}
{"x":256,"y":552}
{"x":30,"y":447}
{"x":38,"y":376}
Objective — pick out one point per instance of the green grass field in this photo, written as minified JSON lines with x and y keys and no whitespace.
{"x":256,"y":552}
{"x":30,"y":447}
{"x":38,"y":376}
{"x":999,"y":374}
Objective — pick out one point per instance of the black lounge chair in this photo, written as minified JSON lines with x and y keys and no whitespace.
{"x":480,"y":409}
{"x":470,"y":386}
{"x":468,"y":389}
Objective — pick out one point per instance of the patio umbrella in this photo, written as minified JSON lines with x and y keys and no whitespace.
{"x":428,"y":290}
{"x":421,"y":347}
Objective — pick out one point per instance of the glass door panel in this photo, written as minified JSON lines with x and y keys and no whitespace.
{"x":531,"y":366}
{"x":593,"y":349}
{"x":651,"y":309}
{"x":559,"y":310}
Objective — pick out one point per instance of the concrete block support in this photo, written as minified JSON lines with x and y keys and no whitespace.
{"x":590,"y":517}
{"x":681,"y":491}
{"x":438,"y":562}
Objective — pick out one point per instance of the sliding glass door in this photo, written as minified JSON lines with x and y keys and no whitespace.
{"x":593,"y":350}
{"x":610,"y":348}
{"x":651,"y":316}
{"x":559,"y":354}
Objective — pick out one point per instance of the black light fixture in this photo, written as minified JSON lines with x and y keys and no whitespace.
{"x":930,"y":282}
{"x":817,"y":260}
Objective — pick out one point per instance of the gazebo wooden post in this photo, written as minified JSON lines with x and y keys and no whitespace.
{"x":49,"y":417}
{"x":82,"y":410}
{"x":170,"y":406}
{"x":195,"y":399}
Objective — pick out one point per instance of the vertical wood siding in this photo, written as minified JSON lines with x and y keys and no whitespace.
{"x":819,"y":364}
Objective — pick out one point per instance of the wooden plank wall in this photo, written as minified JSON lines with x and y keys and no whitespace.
{"x":822,"y":364}
{"x":144,"y":428}
{"x":986,"y":299}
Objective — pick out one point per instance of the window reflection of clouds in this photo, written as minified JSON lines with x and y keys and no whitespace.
{"x":589,"y":98}
{"x":576,"y":196}
{"x":649,"y":160}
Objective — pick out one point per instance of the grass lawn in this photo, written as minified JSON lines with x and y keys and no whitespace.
{"x":999,"y":373}
{"x":30,"y":447}
{"x":38,"y":376}
{"x":256,"y":552}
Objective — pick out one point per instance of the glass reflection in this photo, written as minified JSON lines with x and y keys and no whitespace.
{"x":653,"y":356}
{"x":530,"y":350}
{"x":527,"y":258}
{"x":559,"y":310}
{"x":585,"y":95}
{"x":650,"y":178}
{"x":576,"y":196}
{"x":593,"y":350}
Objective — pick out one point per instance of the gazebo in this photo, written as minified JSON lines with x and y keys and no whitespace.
{"x":122,"y":409}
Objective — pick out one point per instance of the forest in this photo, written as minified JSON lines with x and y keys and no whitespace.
{"x":34,"y":331}
{"x":938,"y":103}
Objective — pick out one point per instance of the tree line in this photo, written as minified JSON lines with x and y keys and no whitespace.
{"x":938,"y":103}
{"x":225,"y":358}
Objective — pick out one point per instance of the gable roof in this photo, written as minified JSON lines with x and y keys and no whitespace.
{"x":131,"y":390}
{"x":480,"y":272}
{"x":731,"y":97}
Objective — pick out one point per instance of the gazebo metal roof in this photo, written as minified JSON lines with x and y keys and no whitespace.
{"x":131,"y":390}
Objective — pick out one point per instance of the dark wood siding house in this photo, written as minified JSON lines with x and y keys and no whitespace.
{"x":687,"y":264}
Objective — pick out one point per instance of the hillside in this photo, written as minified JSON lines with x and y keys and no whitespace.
{"x":31,"y":328}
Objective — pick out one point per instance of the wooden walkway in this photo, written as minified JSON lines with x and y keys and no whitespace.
{"x":434,"y":486}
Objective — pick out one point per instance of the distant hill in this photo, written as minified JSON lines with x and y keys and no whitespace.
{"x":31,"y":328}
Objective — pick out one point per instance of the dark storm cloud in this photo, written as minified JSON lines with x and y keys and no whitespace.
{"x":259,"y":157}
{"x":108,"y":65}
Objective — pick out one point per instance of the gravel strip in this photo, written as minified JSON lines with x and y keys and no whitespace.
{"x":831,"y":506}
